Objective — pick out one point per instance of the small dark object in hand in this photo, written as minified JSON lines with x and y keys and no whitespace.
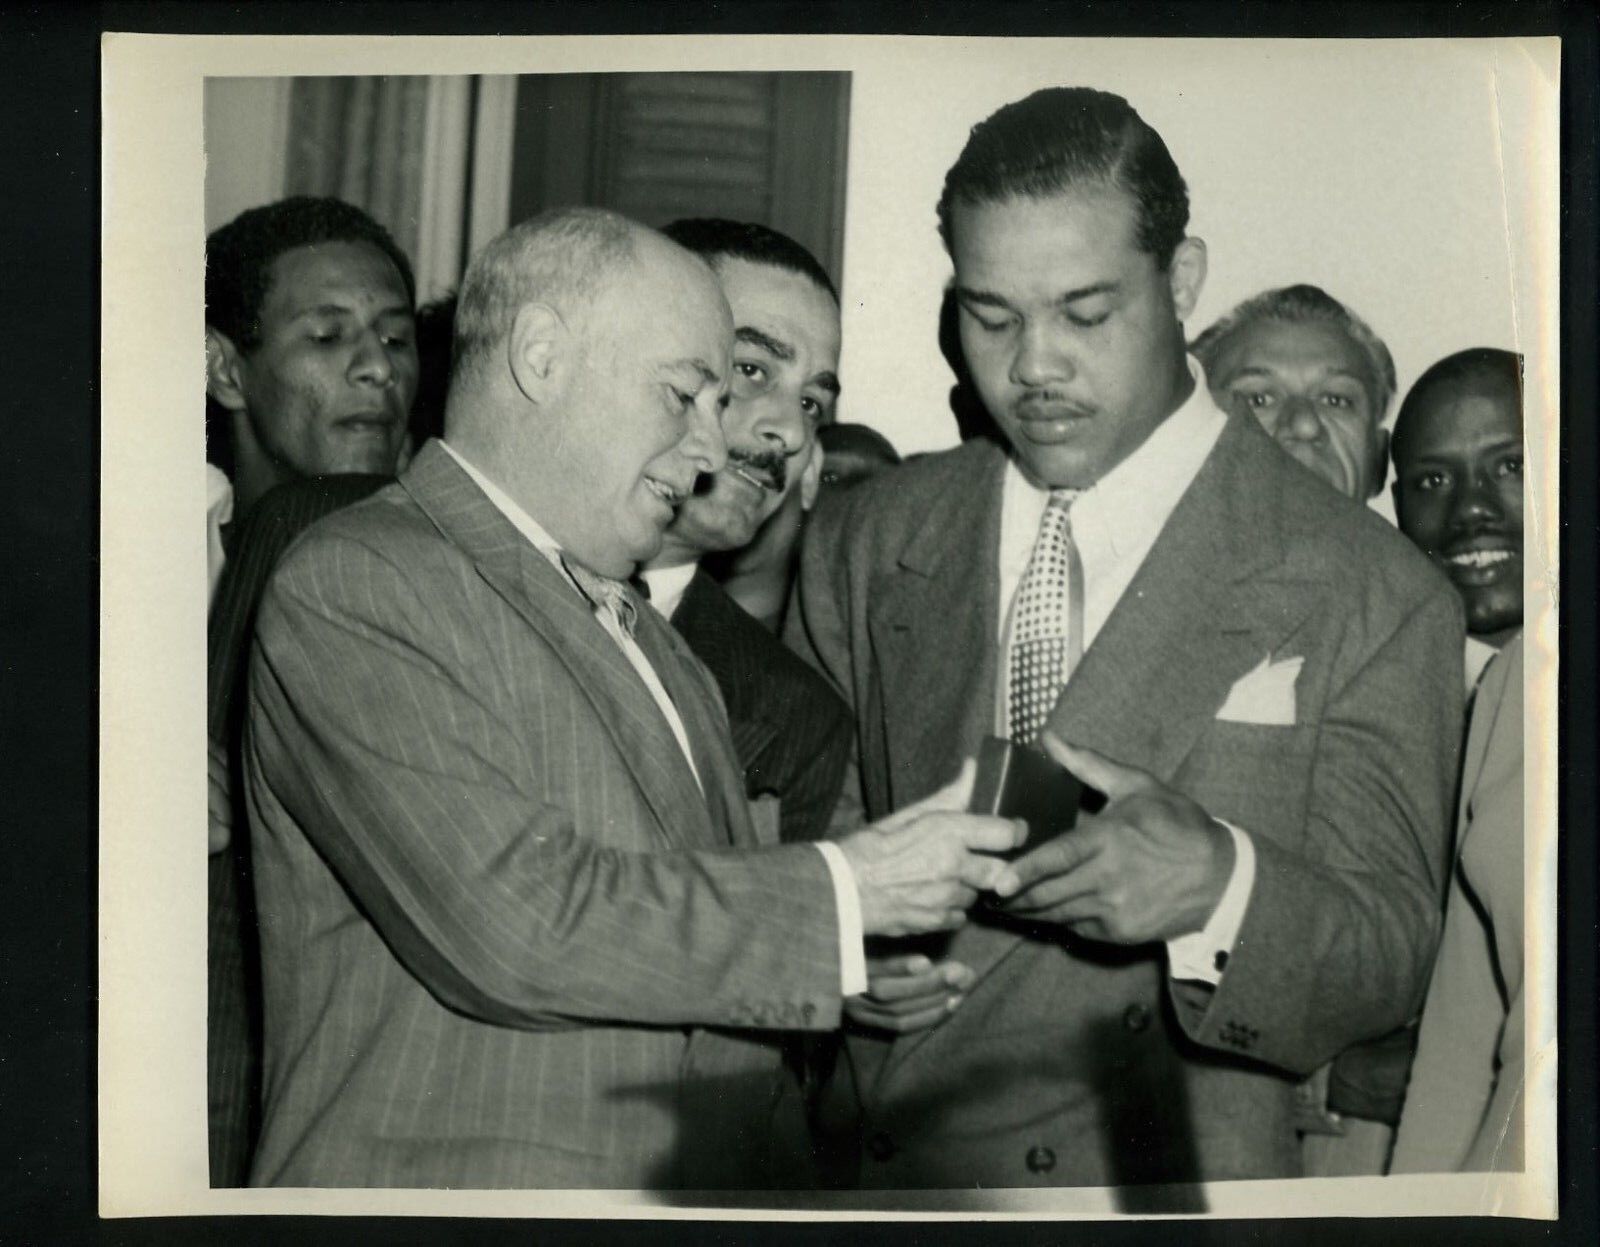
{"x":1019,"y":781}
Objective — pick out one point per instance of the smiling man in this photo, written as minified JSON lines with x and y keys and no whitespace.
{"x":517,"y":928}
{"x":791,"y":731}
{"x":1458,"y":485}
{"x":1262,"y":680}
{"x":1315,"y":376}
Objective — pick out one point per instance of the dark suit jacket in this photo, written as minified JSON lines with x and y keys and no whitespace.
{"x":1075,"y":1063}
{"x":233,"y":962}
{"x":791,"y":731}
{"x":507,"y":939}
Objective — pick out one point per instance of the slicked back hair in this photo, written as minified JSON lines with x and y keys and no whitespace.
{"x":239,"y":256}
{"x":1499,"y":367}
{"x":1061,"y":138}
{"x":562,"y":257}
{"x":1299,"y":305}
{"x":716,"y":238}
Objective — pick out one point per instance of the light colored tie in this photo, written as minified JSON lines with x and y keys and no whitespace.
{"x":1046,"y":621}
{"x":604,"y":594}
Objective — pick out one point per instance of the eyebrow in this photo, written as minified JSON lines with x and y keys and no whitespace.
{"x":1257,"y":370}
{"x":986,"y":298}
{"x":826,"y":381}
{"x":344,"y":309}
{"x":772,"y":346}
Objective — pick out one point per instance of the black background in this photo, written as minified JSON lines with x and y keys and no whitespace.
{"x":49,"y":448}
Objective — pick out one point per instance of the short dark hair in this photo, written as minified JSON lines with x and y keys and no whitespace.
{"x":1062,"y":137}
{"x":1297,"y":305}
{"x":239,"y":256}
{"x":1491,"y":363}
{"x":715,"y":238}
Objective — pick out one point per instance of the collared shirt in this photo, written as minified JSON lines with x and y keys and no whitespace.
{"x":1477,"y":661}
{"x":1114,"y":525}
{"x":667,"y":586}
{"x":847,"y":901}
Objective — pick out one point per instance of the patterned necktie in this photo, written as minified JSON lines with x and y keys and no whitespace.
{"x":1047,"y":621}
{"x":604,"y":594}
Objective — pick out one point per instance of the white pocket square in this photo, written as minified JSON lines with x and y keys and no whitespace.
{"x":1264,"y":695}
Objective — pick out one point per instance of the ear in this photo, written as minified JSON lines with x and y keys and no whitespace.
{"x":1187,"y":274}
{"x":224,"y":370}
{"x":1380,"y":460}
{"x":534,"y":346}
{"x":811,"y":476}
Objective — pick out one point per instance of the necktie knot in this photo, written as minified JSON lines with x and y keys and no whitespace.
{"x":603,"y":593}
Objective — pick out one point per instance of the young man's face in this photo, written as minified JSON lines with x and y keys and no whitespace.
{"x":1458,"y":495}
{"x":329,"y":385}
{"x":1072,"y":333}
{"x":1310,"y":386}
{"x":784,"y":383}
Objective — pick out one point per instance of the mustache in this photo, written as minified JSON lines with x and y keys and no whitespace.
{"x":771,"y":466}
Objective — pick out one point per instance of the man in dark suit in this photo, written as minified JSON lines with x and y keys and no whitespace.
{"x":517,"y":927}
{"x":791,"y":731}
{"x":311,"y":367}
{"x":1263,"y":681}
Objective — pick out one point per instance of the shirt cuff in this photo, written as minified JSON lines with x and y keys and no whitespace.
{"x":847,"y":902}
{"x":1202,"y":956}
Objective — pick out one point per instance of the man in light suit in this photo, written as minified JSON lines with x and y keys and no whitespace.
{"x":516,"y":926}
{"x":1262,"y":680}
{"x":1458,"y":494}
{"x":790,"y":730}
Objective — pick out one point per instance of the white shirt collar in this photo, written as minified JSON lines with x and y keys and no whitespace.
{"x":1127,"y":507}
{"x":667,"y":586}
{"x":524,"y":523}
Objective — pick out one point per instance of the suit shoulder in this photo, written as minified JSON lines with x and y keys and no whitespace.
{"x":380,"y":530}
{"x":897,"y":499}
{"x":1350,"y":543}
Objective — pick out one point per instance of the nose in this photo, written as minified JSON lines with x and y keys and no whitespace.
{"x":780,"y":425}
{"x":1041,"y":358}
{"x":1298,"y":422}
{"x":703,"y":443}
{"x":371,"y":362}
{"x":1477,"y":502}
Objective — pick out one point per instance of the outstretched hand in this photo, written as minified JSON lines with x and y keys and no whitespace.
{"x":1152,"y":865}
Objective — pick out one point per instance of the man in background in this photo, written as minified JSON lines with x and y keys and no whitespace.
{"x":517,"y":927}
{"x":852,"y":453}
{"x":790,"y":730}
{"x":1458,"y":486}
{"x":311,"y":368}
{"x":1261,"y":679}
{"x":1315,"y":376}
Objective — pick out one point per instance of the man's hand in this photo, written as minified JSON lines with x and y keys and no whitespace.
{"x":1152,"y":865}
{"x":219,"y":804}
{"x":919,"y":869}
{"x":909,"y":993}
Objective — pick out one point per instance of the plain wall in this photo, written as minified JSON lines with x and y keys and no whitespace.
{"x":1370,"y":169}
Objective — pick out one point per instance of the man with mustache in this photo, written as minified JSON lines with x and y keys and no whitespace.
{"x":1315,"y":376}
{"x":311,"y":366}
{"x":1261,"y":680}
{"x":791,"y":731}
{"x":517,"y":927}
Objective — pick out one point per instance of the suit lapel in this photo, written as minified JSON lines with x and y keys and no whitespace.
{"x":933,"y":621}
{"x":541,"y":595}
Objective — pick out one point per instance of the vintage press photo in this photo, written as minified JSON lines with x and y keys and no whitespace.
{"x":1412,"y":182}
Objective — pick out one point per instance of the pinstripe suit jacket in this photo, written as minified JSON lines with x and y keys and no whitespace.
{"x":1076,"y":1063}
{"x":791,"y":731}
{"x":233,"y":960}
{"x":506,"y":941}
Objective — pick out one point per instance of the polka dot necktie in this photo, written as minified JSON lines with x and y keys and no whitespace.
{"x":1047,"y":621}
{"x":604,"y":594}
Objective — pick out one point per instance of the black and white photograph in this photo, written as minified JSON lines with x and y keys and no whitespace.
{"x":818,"y":626}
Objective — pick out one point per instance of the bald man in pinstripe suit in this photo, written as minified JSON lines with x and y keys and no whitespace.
{"x":517,"y":928}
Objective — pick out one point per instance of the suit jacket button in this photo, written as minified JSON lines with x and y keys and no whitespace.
{"x":1136,"y":1018}
{"x":1041,"y":1160}
{"x":880,"y":1146}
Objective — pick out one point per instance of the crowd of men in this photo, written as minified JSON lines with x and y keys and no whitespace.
{"x":592,"y":715}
